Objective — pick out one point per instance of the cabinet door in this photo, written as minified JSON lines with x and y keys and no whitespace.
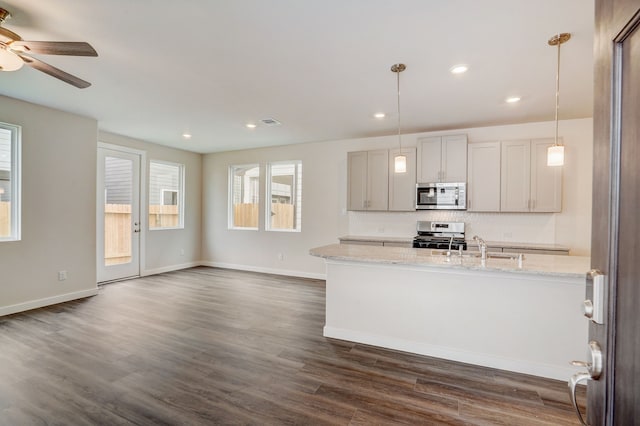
{"x":357,"y":180}
{"x":402,"y":186}
{"x":515,"y":176}
{"x":483,"y":190}
{"x":546,"y":181}
{"x":429,"y":159}
{"x":454,"y":158}
{"x":378,"y":180}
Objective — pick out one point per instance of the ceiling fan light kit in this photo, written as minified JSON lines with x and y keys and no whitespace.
{"x":13,"y":53}
{"x":555,"y":153}
{"x":9,"y":61}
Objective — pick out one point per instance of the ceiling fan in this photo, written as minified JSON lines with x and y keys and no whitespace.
{"x":13,"y":53}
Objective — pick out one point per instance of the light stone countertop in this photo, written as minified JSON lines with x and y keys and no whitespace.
{"x":502,"y":244}
{"x":533,"y":264}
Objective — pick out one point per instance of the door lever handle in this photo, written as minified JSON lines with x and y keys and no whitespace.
{"x":594,"y":371}
{"x":573,"y":382}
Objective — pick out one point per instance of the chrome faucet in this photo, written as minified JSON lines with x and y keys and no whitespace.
{"x":482,"y":247}
{"x":450,"y":242}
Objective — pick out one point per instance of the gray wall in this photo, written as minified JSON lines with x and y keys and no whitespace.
{"x":58,"y":209}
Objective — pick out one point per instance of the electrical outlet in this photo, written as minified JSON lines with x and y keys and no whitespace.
{"x":62,"y":275}
{"x":280,"y":256}
{"x":181,"y":252}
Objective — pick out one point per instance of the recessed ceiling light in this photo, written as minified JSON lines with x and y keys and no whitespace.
{"x":379,"y":115}
{"x":250,"y":126}
{"x":513,"y":99}
{"x":186,"y":135}
{"x":459,"y":69}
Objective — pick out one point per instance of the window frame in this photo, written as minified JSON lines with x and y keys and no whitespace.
{"x":230,"y":195}
{"x":15,"y":174}
{"x":297,"y":187}
{"x":180,"y":191}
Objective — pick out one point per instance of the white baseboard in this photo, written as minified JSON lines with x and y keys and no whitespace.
{"x":274,"y":271}
{"x":171,"y":268}
{"x":558,"y":372}
{"x":39,"y":303}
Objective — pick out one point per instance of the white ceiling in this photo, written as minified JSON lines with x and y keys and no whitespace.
{"x":320,"y":67}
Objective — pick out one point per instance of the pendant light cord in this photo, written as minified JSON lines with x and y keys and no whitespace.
{"x":399,"y":137}
{"x":557,"y":90}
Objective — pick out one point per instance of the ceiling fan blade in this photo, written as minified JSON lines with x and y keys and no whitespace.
{"x":72,"y":48}
{"x":8,"y":36}
{"x":55,"y":72}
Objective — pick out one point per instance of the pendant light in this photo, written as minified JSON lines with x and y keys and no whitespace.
{"x":400,"y":160}
{"x":555,"y":153}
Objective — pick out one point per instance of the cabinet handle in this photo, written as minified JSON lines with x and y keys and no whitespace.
{"x":533,"y":204}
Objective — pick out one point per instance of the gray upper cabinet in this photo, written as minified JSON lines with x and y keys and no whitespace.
{"x":516,"y":176}
{"x":483,"y":189}
{"x":368,"y":180}
{"x":442,"y":159}
{"x":402,"y":186}
{"x":546,"y":181}
{"x":527,"y":183}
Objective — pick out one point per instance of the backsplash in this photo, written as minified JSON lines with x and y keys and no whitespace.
{"x":516,"y":227}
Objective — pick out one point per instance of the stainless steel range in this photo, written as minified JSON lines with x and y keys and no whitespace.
{"x":440,"y":235}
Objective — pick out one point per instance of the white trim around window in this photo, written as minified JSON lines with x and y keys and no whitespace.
{"x":11,"y":188}
{"x":157,"y":189}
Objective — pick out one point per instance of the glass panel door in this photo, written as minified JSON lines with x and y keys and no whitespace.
{"x":118,"y":218}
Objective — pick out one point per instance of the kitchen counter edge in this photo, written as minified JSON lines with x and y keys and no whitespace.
{"x":534,"y":264}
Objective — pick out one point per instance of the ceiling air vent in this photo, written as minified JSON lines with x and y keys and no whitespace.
{"x":270,"y":122}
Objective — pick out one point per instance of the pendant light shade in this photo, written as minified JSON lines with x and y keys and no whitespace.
{"x":400,"y":160}
{"x":555,"y":153}
{"x":400,"y":163}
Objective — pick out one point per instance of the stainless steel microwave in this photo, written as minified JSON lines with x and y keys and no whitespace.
{"x":441,"y":196}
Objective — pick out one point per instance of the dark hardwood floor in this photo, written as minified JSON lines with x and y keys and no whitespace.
{"x":214,"y":346}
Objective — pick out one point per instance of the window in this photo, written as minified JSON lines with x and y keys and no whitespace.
{"x":244,"y":196}
{"x":9,"y":182}
{"x":166,"y":195}
{"x":284,"y":190}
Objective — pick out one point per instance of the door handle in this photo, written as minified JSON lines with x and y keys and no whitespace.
{"x":594,"y":371}
{"x":573,"y":382}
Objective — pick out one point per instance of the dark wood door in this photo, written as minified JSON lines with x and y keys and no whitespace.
{"x":614,"y":399}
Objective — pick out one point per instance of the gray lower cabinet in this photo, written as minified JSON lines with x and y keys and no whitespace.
{"x":381,"y":242}
{"x":362,"y":243}
{"x":523,"y":250}
{"x":397,"y":244}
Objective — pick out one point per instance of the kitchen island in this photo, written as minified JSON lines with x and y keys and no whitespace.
{"x":520,"y":317}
